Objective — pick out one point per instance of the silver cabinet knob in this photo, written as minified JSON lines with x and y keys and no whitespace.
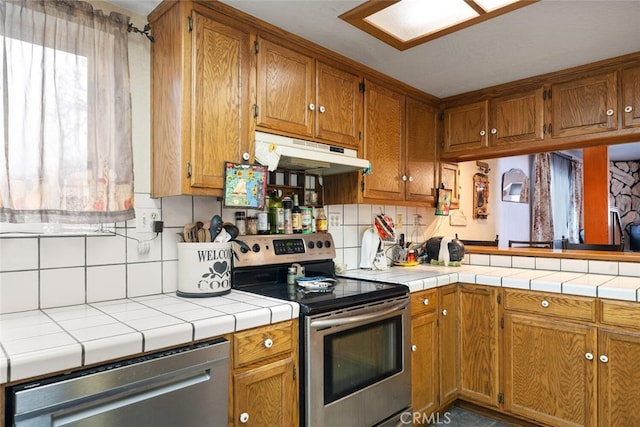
{"x":482,"y":133}
{"x":628,"y":109}
{"x":604,"y":359}
{"x":404,"y":178}
{"x":444,"y":312}
{"x":414,"y":348}
{"x":244,"y":418}
{"x":588,"y":356}
{"x":544,"y":303}
{"x":425,"y":301}
{"x":610,"y":112}
{"x":494,"y":131}
{"x":245,"y":157}
{"x":268,"y":343}
{"x":321,"y":109}
{"x":410,"y":179}
{"x":312,"y":107}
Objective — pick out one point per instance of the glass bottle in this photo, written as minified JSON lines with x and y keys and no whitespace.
{"x":296,"y":216}
{"x":263,"y":218}
{"x":287,"y":207}
{"x":321,"y":221}
{"x":276,"y":213}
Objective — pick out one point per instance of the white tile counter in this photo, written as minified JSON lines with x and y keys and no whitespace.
{"x":39,"y":342}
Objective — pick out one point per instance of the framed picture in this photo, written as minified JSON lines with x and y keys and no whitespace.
{"x":245,"y":185}
{"x":443,"y":197}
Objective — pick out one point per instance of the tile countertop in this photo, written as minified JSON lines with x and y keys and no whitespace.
{"x":40,"y":342}
{"x":50,"y":340}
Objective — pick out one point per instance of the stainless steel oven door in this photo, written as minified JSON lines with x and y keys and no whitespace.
{"x":358,"y":364}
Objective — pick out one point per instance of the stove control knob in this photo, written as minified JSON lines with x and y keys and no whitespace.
{"x":327,"y":243}
{"x":311,"y":245}
{"x":255,"y":247}
{"x":244,"y":249}
{"x":319,"y":244}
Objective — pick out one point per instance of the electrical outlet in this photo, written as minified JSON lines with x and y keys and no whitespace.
{"x":145,"y":218}
{"x":334,"y":220}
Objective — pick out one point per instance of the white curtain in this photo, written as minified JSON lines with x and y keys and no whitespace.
{"x":576,"y":217}
{"x":65,"y":115}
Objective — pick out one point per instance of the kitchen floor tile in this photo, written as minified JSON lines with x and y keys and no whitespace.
{"x":458,"y":417}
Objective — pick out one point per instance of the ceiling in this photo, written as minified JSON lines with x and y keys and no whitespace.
{"x":546,"y":36}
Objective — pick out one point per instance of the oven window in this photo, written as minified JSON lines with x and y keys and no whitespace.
{"x":359,"y":357}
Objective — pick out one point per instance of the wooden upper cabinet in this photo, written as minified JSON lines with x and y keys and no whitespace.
{"x":285,"y":96}
{"x":420,"y":169}
{"x":200,"y":114}
{"x":585,"y":106}
{"x":517,"y":118}
{"x":384,"y":114}
{"x":339,"y":106}
{"x":465,"y":127}
{"x":305,"y":97}
{"x":631,"y":97}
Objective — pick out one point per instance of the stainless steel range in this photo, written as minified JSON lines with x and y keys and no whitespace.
{"x":354,"y":335}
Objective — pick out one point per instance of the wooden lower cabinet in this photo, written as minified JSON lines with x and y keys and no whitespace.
{"x":263,"y":395}
{"x":549,"y":371}
{"x":449,"y":355}
{"x":618,"y":362}
{"x":264,"y":378}
{"x":424,"y":352}
{"x":479,"y":344}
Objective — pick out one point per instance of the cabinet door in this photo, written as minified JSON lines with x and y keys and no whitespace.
{"x":548,"y":377}
{"x":618,"y":378}
{"x":479,"y":329}
{"x":465,"y":127}
{"x":384,"y":142}
{"x":285,"y":89}
{"x":339,"y":106}
{"x":631,"y":97}
{"x":219,"y":122}
{"x":424,"y":363}
{"x":448,"y":341}
{"x":517,"y":118}
{"x":585,"y":106}
{"x":422,"y":120}
{"x":264,"y":396}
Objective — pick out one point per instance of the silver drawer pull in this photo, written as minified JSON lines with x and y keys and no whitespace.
{"x":444,"y":312}
{"x":588,"y":356}
{"x":628,"y":109}
{"x":604,"y":359}
{"x":610,"y":112}
{"x":244,"y":418}
{"x":544,"y":303}
{"x":425,"y":301}
{"x":268,"y":343}
{"x":414,"y":348}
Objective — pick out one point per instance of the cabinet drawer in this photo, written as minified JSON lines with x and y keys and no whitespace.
{"x":558,"y":305}
{"x":424,"y":301}
{"x":261,"y":343}
{"x":620,"y":313}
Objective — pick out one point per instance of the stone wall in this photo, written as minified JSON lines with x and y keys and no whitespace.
{"x":624,"y":191}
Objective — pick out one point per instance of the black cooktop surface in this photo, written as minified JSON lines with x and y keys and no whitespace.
{"x":345,"y":293}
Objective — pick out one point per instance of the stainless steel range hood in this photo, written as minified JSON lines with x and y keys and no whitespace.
{"x":281,"y":152}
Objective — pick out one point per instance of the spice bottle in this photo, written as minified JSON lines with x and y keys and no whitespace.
{"x":321,"y":221}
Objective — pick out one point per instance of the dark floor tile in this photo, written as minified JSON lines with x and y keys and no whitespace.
{"x":458,"y":417}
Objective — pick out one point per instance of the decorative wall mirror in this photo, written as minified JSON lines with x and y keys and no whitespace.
{"x":515,"y":186}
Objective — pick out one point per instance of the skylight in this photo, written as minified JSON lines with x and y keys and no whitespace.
{"x":407,"y":23}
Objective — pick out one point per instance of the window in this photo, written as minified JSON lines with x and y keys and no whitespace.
{"x":66,"y":114}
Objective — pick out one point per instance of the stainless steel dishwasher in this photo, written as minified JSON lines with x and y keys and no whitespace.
{"x":187,"y":386}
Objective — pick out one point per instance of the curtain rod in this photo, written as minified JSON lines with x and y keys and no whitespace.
{"x":146,"y":31}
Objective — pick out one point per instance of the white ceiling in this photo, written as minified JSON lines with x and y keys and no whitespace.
{"x":544,"y":37}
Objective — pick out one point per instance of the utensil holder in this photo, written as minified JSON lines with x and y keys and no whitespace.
{"x":204,"y":269}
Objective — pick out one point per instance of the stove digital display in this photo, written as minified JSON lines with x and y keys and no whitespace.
{"x":288,"y":246}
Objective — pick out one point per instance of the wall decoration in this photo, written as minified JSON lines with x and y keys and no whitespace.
{"x":443,"y":197}
{"x":515,"y":186}
{"x":480,"y":196}
{"x":245,"y":185}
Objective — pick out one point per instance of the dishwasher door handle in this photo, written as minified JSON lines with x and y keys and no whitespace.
{"x":326,"y":323}
{"x":120,"y":402}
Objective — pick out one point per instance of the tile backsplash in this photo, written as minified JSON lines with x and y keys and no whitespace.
{"x":48,"y":271}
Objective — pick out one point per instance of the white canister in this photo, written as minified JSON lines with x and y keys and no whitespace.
{"x":204,"y":269}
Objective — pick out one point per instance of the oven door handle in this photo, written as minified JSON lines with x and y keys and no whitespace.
{"x":326,"y":323}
